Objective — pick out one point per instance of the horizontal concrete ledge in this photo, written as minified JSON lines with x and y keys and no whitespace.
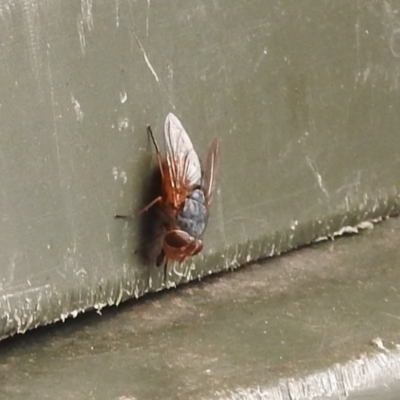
{"x":380,"y":372}
{"x":265,"y":330}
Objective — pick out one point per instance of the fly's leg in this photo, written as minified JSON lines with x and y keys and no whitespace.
{"x":144,"y":209}
{"x":159,"y":198}
{"x":151,"y":204}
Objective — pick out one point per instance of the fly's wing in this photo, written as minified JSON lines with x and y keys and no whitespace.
{"x":182,"y":162}
{"x":210,"y":170}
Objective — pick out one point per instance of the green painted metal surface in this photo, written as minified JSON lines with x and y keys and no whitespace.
{"x":304,"y":98}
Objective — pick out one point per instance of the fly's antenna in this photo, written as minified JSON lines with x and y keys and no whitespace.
{"x":150,"y":132}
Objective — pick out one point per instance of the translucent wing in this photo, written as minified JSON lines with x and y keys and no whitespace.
{"x":182,"y":167}
{"x":210,"y":171}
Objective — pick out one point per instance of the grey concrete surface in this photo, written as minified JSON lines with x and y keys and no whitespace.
{"x":304,"y":99}
{"x":320,"y":320}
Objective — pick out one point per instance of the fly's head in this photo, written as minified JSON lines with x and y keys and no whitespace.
{"x":178,"y":245}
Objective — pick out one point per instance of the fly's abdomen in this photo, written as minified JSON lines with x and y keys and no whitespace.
{"x":192,"y":218}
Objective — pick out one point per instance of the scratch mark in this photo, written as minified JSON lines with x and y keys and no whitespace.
{"x":30,"y":9}
{"x":86,"y":18}
{"x":123,"y":96}
{"x":77,"y":108}
{"x":87,"y":13}
{"x":391,"y":315}
{"x":25,"y":291}
{"x":55,"y":132}
{"x":115,"y":173}
{"x":147,"y":61}
{"x":358,"y":47}
{"x":394,"y":43}
{"x":117,"y":13}
{"x":82,"y":39}
{"x":147,"y":18}
{"x":258,"y":62}
{"x":317,"y":175}
{"x":124,"y":177}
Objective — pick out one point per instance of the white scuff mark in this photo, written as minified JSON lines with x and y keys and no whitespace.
{"x":123,"y":96}
{"x":77,"y":107}
{"x":146,"y":59}
{"x":366,"y":225}
{"x":17,"y":319}
{"x":85,"y":19}
{"x":117,"y":13}
{"x":294,"y":224}
{"x":99,"y":306}
{"x":177,"y":272}
{"x":366,"y":73}
{"x":346,"y":229}
{"x":123,"y":123}
{"x":66,"y":315}
{"x":5,"y":9}
{"x":394,"y":43}
{"x":115,"y":173}
{"x":152,"y":70}
{"x":272,"y":252}
{"x":25,"y":291}
{"x":81,"y":272}
{"x":123,"y":176}
{"x":147,"y":17}
{"x":379,"y":343}
{"x":55,"y":128}
{"x":347,"y":204}
{"x":87,"y":13}
{"x":369,"y":224}
{"x":31,"y":12}
{"x":262,"y":56}
{"x":317,"y":175}
{"x":358,"y":47}
{"x":390,"y":16}
{"x":170,"y":73}
{"x":119,"y":298}
{"x":82,"y":39}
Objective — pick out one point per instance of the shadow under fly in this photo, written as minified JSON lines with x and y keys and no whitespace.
{"x":149,"y":220}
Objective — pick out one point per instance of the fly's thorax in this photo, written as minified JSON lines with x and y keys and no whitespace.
{"x":192,"y":217}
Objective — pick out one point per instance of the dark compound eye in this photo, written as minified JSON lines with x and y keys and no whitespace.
{"x":177,"y":239}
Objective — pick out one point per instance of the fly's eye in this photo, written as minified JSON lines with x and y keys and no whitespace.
{"x":177,"y":239}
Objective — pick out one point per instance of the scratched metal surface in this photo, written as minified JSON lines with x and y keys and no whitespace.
{"x":304,"y":98}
